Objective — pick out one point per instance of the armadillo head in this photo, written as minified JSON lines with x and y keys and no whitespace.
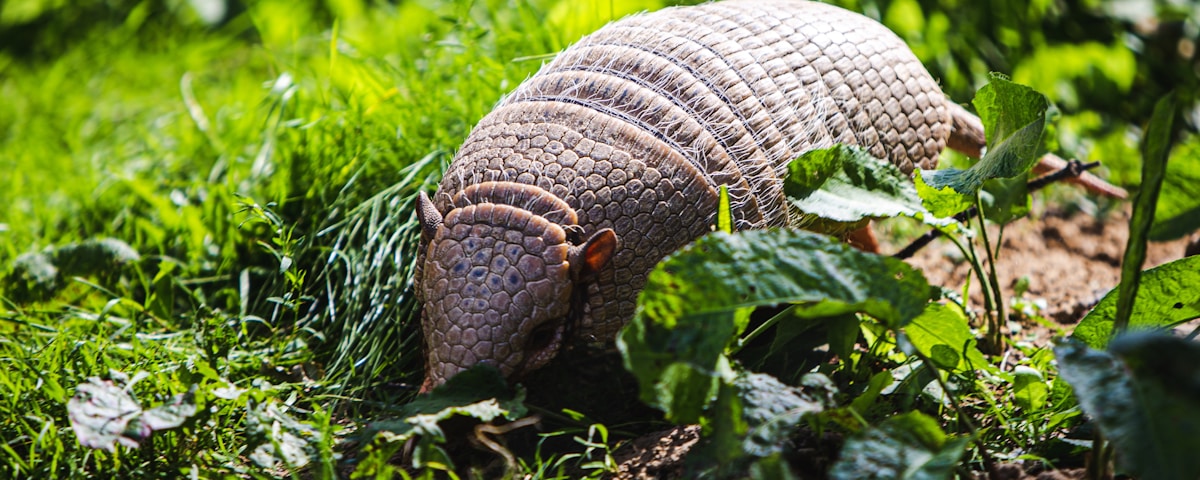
{"x":499,"y":282}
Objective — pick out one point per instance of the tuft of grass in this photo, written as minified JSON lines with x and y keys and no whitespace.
{"x":260,"y":166}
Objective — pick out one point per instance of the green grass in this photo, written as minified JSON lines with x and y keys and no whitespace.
{"x":264,"y":169}
{"x":220,"y":154}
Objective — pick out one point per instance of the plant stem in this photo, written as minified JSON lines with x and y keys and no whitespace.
{"x":1098,"y":468}
{"x":977,"y":269}
{"x":991,"y":282}
{"x":742,"y":342}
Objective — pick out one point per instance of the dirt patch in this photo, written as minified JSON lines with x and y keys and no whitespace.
{"x":1069,"y":261}
{"x":1013,"y":471}
{"x":657,"y":455}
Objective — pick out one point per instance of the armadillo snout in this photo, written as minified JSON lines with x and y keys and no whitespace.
{"x":496,"y":285}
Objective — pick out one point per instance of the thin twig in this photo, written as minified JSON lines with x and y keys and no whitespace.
{"x":482,"y":431}
{"x":1073,"y":169}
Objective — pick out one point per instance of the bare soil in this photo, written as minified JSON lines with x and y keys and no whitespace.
{"x":1069,"y":260}
{"x":658,"y":454}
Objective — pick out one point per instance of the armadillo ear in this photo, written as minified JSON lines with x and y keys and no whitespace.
{"x":594,"y":254}
{"x":429,"y":217}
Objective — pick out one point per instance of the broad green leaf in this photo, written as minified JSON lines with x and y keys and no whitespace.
{"x":879,"y":381}
{"x":468,"y":387}
{"x":93,"y":256}
{"x":754,"y":418}
{"x":678,"y":365}
{"x":845,"y":184}
{"x":773,"y":409}
{"x":1178,"y":210}
{"x":1145,"y":395}
{"x":1168,"y":295}
{"x":282,"y":441}
{"x":907,"y":446}
{"x":1005,"y":199}
{"x":1014,"y":117}
{"x":1029,"y":389}
{"x":684,"y":389}
{"x":103,"y":413}
{"x":941,"y":201}
{"x":810,"y":171}
{"x":723,"y":273}
{"x":697,"y":301}
{"x":942,"y":334}
{"x":480,"y":392}
{"x":1156,"y":145}
{"x":719,"y":453}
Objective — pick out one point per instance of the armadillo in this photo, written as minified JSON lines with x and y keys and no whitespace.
{"x":563,"y":198}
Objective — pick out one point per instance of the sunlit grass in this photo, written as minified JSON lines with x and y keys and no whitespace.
{"x":264,"y":168}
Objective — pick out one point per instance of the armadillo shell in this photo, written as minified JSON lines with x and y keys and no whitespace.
{"x":637,"y":125}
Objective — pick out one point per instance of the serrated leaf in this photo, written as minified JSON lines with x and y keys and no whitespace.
{"x":281,"y":439}
{"x":1167,"y":295}
{"x":1014,"y":117}
{"x":468,"y":387}
{"x":171,"y":414}
{"x":810,"y":171}
{"x":103,"y":413}
{"x":753,"y":418}
{"x":479,"y":392}
{"x":1145,"y":395}
{"x":94,"y":256}
{"x":845,"y":184}
{"x":697,"y":300}
{"x":942,"y":334}
{"x":907,"y":446}
{"x":940,"y":201}
{"x":773,"y":409}
{"x":33,"y":274}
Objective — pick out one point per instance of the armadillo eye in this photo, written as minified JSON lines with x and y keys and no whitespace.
{"x":540,"y":337}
